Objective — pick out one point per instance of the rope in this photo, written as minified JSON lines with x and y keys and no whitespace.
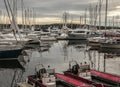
{"x":7,"y":9}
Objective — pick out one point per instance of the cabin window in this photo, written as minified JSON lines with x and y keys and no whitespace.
{"x":87,"y":32}
{"x":69,"y":31}
{"x":79,"y":31}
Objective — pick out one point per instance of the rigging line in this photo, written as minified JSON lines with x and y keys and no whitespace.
{"x":20,"y":75}
{"x":7,"y":9}
{"x":13,"y":19}
{"x":13,"y":78}
{"x":5,"y":76}
{"x":90,"y":58}
{"x":60,"y":47}
{"x":96,"y":13}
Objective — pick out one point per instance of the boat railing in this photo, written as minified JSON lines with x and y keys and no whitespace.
{"x":84,"y":68}
{"x":50,"y":71}
{"x":35,"y":83}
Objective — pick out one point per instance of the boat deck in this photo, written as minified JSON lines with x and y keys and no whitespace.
{"x":71,"y":80}
{"x":95,"y":84}
{"x":106,"y":76}
{"x":24,"y":85}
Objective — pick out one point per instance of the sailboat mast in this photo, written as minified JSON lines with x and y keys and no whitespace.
{"x":106,"y":14}
{"x":80,"y":21}
{"x":100,"y":14}
{"x":22,"y":14}
{"x":85,"y":17}
{"x":113,"y":22}
{"x":14,"y":10}
{"x":105,"y":29}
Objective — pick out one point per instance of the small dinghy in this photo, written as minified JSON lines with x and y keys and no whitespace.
{"x":82,"y":73}
{"x":44,"y":77}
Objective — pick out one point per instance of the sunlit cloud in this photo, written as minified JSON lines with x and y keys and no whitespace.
{"x":114,"y":13}
{"x":50,"y":11}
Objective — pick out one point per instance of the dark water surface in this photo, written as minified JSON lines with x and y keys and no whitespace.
{"x":58,"y":57}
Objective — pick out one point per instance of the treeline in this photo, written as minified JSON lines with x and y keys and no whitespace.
{"x":45,"y":26}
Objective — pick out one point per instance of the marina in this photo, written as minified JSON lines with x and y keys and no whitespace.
{"x":60,"y":46}
{"x":59,"y":55}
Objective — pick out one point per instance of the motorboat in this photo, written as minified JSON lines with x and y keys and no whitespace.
{"x":82,"y":73}
{"x":43,"y":77}
{"x":78,"y":34}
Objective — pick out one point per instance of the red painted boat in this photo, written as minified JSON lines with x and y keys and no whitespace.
{"x":37,"y":83}
{"x":113,"y":79}
{"x":44,"y":77}
{"x":84,"y":80}
{"x":71,"y":80}
{"x":82,"y":73}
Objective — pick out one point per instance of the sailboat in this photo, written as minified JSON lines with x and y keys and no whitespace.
{"x":113,"y":42}
{"x":12,"y":50}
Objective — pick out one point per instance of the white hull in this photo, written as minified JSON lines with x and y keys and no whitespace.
{"x":77,"y":37}
{"x":109,"y":45}
{"x":47,"y":38}
{"x":78,"y":34}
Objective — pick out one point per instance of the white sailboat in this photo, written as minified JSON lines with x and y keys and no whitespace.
{"x":113,"y":42}
{"x":10,"y":50}
{"x":79,"y":34}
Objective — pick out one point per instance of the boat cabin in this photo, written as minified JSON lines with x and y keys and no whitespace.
{"x":44,"y":77}
{"x":80,"y":70}
{"x":84,"y":72}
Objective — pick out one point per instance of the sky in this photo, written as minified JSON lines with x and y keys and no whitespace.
{"x":51,"y":11}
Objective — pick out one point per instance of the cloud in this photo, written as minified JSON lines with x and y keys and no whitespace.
{"x":54,"y":8}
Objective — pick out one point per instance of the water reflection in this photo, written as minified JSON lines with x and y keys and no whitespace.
{"x":11,"y":72}
{"x":57,"y":55}
{"x":76,"y":42}
{"x":11,"y":64}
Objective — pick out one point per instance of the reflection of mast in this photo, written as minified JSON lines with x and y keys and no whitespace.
{"x":106,"y":14}
{"x":98,"y":61}
{"x":65,"y":52}
{"x":13,"y":78}
{"x":104,"y":62}
{"x":16,"y":77}
{"x":105,"y":26}
{"x":94,"y":59}
{"x":90,"y":58}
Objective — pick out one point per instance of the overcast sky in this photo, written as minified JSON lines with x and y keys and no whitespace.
{"x":48,"y":11}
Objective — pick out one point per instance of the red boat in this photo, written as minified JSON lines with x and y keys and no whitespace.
{"x":82,"y":73}
{"x":84,"y":80}
{"x":106,"y":77}
{"x":71,"y":81}
{"x":44,"y":77}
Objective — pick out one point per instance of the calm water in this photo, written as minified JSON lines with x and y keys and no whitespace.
{"x":58,"y":57}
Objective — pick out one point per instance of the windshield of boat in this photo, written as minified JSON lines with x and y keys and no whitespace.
{"x":79,"y":31}
{"x":51,"y":71}
{"x":84,"y":68}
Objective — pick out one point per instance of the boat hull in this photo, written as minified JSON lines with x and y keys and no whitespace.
{"x":71,"y":81}
{"x":13,"y":53}
{"x":33,"y":81}
{"x":37,"y":83}
{"x":109,"y":45}
{"x":77,"y":37}
{"x":83,"y":80}
{"x":106,"y":77}
{"x":94,"y":44}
